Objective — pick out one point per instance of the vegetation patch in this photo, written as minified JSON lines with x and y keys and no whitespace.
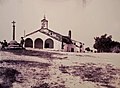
{"x":105,"y":75}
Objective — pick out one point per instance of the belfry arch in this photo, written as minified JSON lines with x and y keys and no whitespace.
{"x":38,"y":43}
{"x":49,"y":43}
{"x":29,"y":42}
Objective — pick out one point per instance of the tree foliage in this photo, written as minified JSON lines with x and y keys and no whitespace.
{"x":105,"y":43}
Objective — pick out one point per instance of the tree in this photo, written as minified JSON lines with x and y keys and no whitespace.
{"x":105,"y":43}
{"x":115,"y":47}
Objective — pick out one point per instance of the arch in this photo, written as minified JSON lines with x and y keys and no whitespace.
{"x":38,"y":43}
{"x":49,"y":43}
{"x":29,"y":42}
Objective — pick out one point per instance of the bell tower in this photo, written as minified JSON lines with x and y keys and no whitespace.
{"x":44,"y":23}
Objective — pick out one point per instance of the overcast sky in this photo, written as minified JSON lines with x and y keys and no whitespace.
{"x":86,"y":22}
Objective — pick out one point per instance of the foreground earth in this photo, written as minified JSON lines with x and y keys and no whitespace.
{"x":53,"y":69}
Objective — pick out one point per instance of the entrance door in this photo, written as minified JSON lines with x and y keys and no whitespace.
{"x":46,"y":45}
{"x":38,"y":43}
{"x":49,"y":43}
{"x":72,"y":49}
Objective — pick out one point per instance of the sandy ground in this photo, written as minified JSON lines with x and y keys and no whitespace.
{"x":54,"y":69}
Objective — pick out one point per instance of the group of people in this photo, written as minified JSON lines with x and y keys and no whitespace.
{"x":5,"y":44}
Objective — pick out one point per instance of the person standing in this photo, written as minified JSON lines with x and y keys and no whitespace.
{"x":22,"y":42}
{"x":5,"y":43}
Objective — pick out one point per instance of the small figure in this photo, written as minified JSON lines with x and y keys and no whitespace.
{"x":22,"y":42}
{"x":5,"y":43}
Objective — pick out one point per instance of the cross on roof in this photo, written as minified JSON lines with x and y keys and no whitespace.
{"x":13,"y":22}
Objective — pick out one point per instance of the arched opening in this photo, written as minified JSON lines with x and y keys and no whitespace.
{"x":49,"y":43}
{"x":38,"y":43}
{"x":29,"y":42}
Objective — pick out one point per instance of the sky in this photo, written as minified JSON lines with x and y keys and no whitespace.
{"x":86,"y":21}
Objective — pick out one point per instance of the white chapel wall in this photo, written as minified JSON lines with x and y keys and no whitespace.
{"x":57,"y":44}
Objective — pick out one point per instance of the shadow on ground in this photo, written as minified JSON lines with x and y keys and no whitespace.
{"x":25,"y":63}
{"x":41,"y":54}
{"x":28,"y":71}
{"x":31,"y":75}
{"x":7,"y":77}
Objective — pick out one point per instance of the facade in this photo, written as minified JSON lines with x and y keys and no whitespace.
{"x":45,"y":38}
{"x":41,"y":41}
